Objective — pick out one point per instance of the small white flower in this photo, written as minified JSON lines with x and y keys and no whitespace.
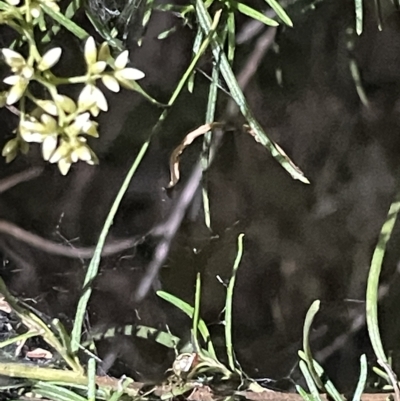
{"x":94,"y":67}
{"x":35,"y":10}
{"x":77,"y":126}
{"x":49,"y":146}
{"x":49,"y":59}
{"x":90,"y":51}
{"x":13,"y":58}
{"x":10,"y":150}
{"x":61,"y":152}
{"x":104,"y":52}
{"x":48,"y":106}
{"x":19,"y":85}
{"x":33,"y":130}
{"x":92,"y":98}
{"x":64,"y":165}
{"x":23,"y":73}
{"x":110,"y":83}
{"x":123,"y":73}
{"x":66,"y":103}
{"x":70,"y":151}
{"x":122,"y":60}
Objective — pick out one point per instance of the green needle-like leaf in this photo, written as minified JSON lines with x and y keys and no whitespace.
{"x":359,"y":16}
{"x":252,"y":13}
{"x":373,"y":281}
{"x":362,"y":379}
{"x":280,"y":12}
{"x":237,"y":94}
{"x":65,"y":22}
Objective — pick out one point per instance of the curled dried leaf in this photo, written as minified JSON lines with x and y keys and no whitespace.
{"x":189,"y":138}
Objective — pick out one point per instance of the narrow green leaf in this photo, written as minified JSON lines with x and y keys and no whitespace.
{"x":65,"y":22}
{"x":237,"y":95}
{"x":196,"y":313}
{"x":64,"y":336}
{"x":206,"y":154}
{"x":196,"y":46}
{"x":362,"y":380}
{"x":229,"y":304}
{"x":133,"y":85}
{"x":165,"y":34}
{"x":56,"y":393}
{"x":280,"y":12}
{"x":378,"y":12}
{"x":231,"y":37}
{"x":306,"y":342}
{"x":21,"y":337}
{"x":252,"y":13}
{"x":309,"y":380}
{"x":104,"y":32}
{"x":93,"y":268}
{"x":91,"y":388}
{"x":188,"y":310}
{"x":329,"y":386}
{"x":355,"y":73}
{"x":73,"y":6}
{"x":359,"y":16}
{"x":303,"y":393}
{"x":373,"y":280}
{"x":162,"y":337}
{"x":381,"y":373}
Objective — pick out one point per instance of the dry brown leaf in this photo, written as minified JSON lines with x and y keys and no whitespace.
{"x":189,"y":138}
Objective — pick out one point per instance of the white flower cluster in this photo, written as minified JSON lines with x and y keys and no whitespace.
{"x":59,"y":123}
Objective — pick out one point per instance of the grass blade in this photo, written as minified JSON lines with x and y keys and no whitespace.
{"x":237,"y":94}
{"x":373,"y":280}
{"x":231,"y":36}
{"x":95,"y":262}
{"x":328,"y":384}
{"x":306,"y":342}
{"x":56,"y":393}
{"x":309,"y":380}
{"x":188,"y":310}
{"x":196,"y":313}
{"x":362,"y":379}
{"x":206,"y":155}
{"x":359,"y":16}
{"x":196,"y":46}
{"x":65,"y":22}
{"x":91,"y":388}
{"x":378,"y":12}
{"x":304,"y":394}
{"x":280,"y":12}
{"x":254,"y":14}
{"x":229,"y":303}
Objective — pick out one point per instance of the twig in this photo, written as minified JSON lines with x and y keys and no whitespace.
{"x":26,"y":175}
{"x":48,"y":246}
{"x":253,"y":62}
{"x":169,"y":228}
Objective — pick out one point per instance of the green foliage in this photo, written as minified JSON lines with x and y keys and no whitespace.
{"x":61,"y":124}
{"x":312,"y":371}
{"x":206,"y":361}
{"x":54,"y":120}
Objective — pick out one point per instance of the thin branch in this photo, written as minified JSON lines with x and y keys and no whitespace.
{"x":48,"y":246}
{"x":26,"y":175}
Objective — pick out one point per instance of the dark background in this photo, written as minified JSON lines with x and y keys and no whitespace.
{"x":302,"y":242}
